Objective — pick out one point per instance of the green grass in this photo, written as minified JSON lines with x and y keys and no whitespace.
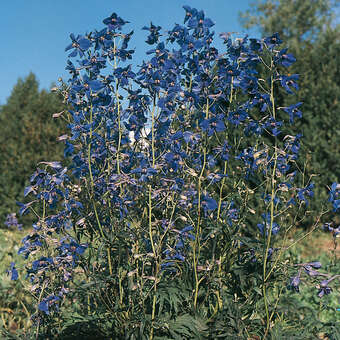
{"x":15,"y":300}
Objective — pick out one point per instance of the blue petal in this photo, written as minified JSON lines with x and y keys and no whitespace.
{"x":43,"y":306}
{"x":96,"y":85}
{"x":84,"y":43}
{"x":211,"y":203}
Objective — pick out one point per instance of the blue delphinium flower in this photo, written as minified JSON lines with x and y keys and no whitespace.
{"x":46,"y":303}
{"x":289,"y":81}
{"x":72,"y":249}
{"x":43,"y":262}
{"x":12,"y":221}
{"x":334,"y":196}
{"x":123,"y":74}
{"x":213,"y":124}
{"x":324,"y":289}
{"x":273,"y":41}
{"x":114,"y":22}
{"x":237,"y":117}
{"x":79,"y":45}
{"x":256,"y":44}
{"x":13,"y":271}
{"x":207,"y":202}
{"x":189,"y":13}
{"x":197,"y":19}
{"x":315,"y":264}
{"x":335,"y":231}
{"x":308,"y":190}
{"x":295,"y":283}
{"x":154,"y":33}
{"x":293,"y":111}
{"x":284,"y":59}
{"x":264,"y":226}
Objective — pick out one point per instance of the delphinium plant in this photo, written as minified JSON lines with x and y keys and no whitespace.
{"x":175,"y":215}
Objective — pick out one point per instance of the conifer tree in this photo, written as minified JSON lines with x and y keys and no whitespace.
{"x":311,"y":32}
{"x":28,"y":135}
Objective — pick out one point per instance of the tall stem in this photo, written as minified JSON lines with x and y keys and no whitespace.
{"x":92,"y":189}
{"x":154,"y":298}
{"x":268,"y":240}
{"x":196,"y":248}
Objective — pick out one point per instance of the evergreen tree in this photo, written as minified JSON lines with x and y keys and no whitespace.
{"x":310,"y":31}
{"x":28,"y":135}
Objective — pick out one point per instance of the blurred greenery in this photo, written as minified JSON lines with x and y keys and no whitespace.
{"x":15,"y":301}
{"x":28,"y":135}
{"x":311,"y":31}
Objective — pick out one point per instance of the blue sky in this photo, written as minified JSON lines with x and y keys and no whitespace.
{"x":36,"y":32}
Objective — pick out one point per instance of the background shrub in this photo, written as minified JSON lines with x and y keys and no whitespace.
{"x":28,"y":135}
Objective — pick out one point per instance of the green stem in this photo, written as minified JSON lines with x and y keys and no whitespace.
{"x":150,"y":222}
{"x":265,"y":277}
{"x":196,"y":248}
{"x":92,"y":190}
{"x":153,"y":132}
{"x":154,"y":298}
{"x":221,"y":191}
{"x":119,"y":132}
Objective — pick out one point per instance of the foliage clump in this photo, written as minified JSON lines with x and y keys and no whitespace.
{"x":184,"y":230}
